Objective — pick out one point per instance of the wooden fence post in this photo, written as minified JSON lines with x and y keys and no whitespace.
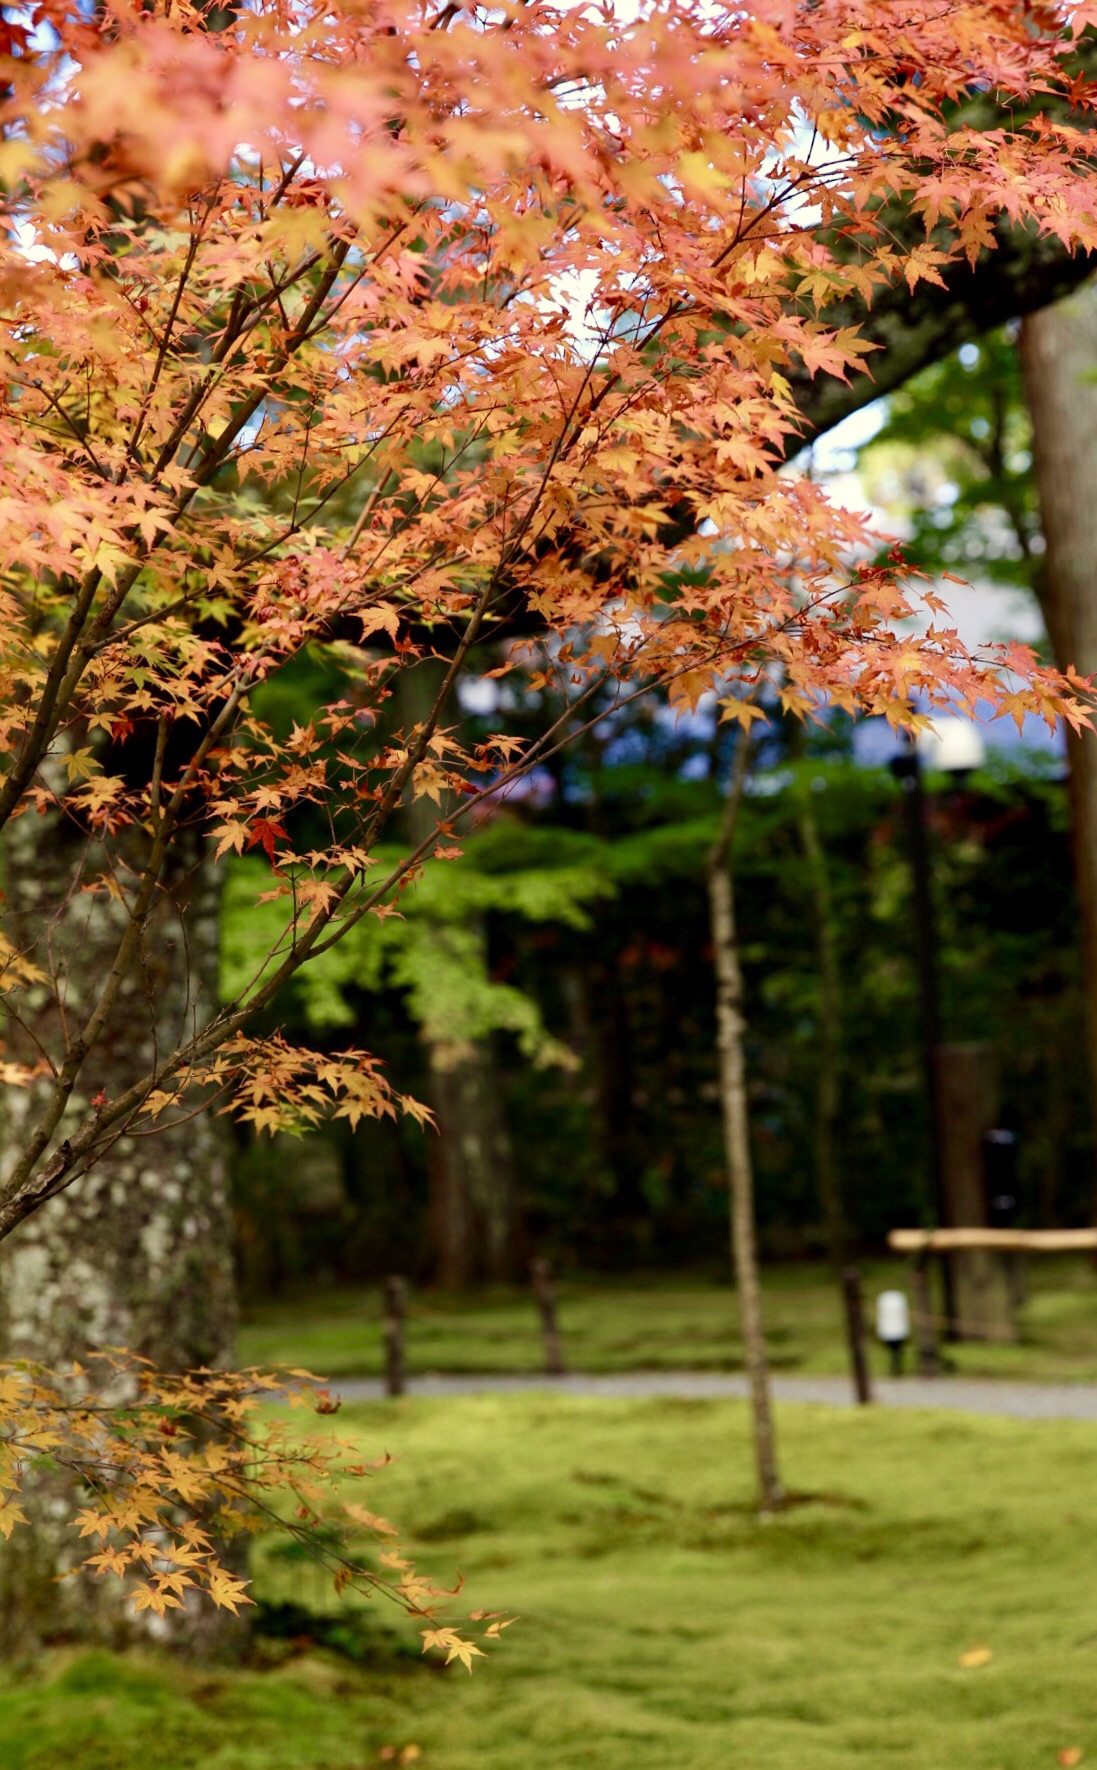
{"x":853,"y":1297}
{"x":929,"y":1360}
{"x":540,"y":1271}
{"x":396,"y":1304}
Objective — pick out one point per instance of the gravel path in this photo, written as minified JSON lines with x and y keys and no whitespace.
{"x":1021,"y":1401}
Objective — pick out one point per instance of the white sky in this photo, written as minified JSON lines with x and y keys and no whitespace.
{"x":981,"y":612}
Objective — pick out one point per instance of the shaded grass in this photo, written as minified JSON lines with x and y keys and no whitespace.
{"x":660,"y":1324}
{"x":663,"y":1627}
{"x":101,"y":1712}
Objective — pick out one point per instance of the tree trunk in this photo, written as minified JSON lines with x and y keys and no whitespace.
{"x":982,"y":1293}
{"x":1059,"y":361}
{"x":138,"y":1253}
{"x":733,"y":1102}
{"x":471,"y":1162}
{"x":471,"y":1167}
{"x":829,"y":1053}
{"x":622,"y":1147}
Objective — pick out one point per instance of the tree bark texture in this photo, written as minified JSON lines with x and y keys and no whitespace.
{"x":1059,"y":361}
{"x":137,"y":1254}
{"x":731,"y":1026}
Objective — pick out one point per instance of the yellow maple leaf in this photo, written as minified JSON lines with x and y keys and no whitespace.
{"x":370,"y":1520}
{"x":11,"y":1514}
{"x":453,"y":1645}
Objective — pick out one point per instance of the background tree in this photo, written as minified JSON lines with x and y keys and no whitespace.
{"x":434,"y":960}
{"x":1059,"y":362}
{"x":736,"y":1123}
{"x":1009,"y":973}
{"x":986,"y":457}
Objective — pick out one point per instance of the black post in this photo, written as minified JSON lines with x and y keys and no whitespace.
{"x":907,"y":768}
{"x":396,"y":1303}
{"x":540,"y":1271}
{"x":855,"y":1331}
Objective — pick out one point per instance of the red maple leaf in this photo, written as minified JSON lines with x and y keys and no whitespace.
{"x":261,"y":834}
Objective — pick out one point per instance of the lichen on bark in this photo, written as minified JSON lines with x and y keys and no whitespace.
{"x":137,"y":1253}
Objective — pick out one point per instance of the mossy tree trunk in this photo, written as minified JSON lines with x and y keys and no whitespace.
{"x":137,"y":1254}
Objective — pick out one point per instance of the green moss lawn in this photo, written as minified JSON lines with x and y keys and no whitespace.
{"x":660,"y":1324}
{"x":663,"y":1627}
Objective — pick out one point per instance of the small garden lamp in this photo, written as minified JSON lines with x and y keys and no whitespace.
{"x":893,"y":1326}
{"x":953,"y":746}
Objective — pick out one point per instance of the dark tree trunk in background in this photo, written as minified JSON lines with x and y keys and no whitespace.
{"x":1056,"y":1129}
{"x":471,"y":1163}
{"x":471,"y":1167}
{"x":452,"y":1252}
{"x":828,"y":1080}
{"x":1059,"y":359}
{"x":968,"y":1096}
{"x":137,"y":1254}
{"x":622,"y":1147}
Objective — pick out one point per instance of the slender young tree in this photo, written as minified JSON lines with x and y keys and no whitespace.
{"x":734,"y":1109}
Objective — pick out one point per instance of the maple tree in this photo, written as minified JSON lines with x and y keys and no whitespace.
{"x":386,"y":329}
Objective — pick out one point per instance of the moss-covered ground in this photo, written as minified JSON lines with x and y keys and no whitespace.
{"x":662,"y":1626}
{"x":661,"y":1323}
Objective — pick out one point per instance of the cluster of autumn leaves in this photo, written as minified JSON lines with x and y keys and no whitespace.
{"x":175,"y":1469}
{"x":389,"y":329}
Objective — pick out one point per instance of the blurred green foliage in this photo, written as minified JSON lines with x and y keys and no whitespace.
{"x":556,"y":934}
{"x":953,"y":462}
